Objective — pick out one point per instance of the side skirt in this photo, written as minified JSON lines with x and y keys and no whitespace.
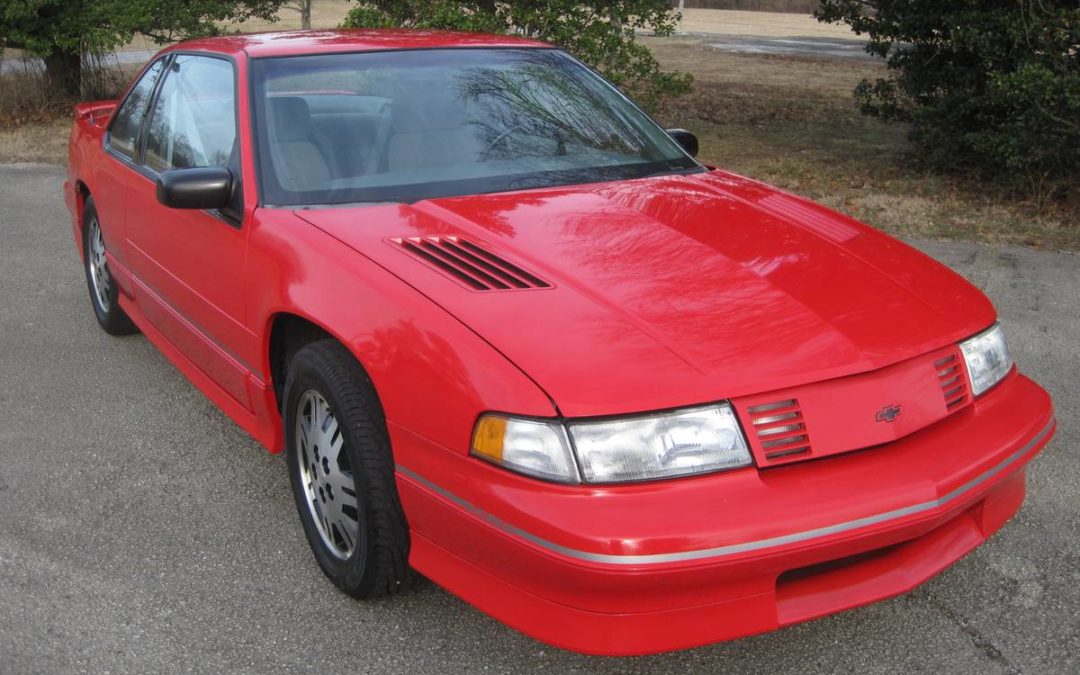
{"x":264,"y":425}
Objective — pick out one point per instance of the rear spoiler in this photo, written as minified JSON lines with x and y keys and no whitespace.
{"x":95,"y":112}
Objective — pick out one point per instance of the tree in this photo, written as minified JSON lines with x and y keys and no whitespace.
{"x":991,"y":86}
{"x":602,"y":34}
{"x":61,"y":32}
{"x":304,"y":8}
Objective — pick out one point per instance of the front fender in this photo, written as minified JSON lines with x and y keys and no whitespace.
{"x":433,"y":374}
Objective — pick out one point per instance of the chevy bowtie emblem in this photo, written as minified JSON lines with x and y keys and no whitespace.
{"x":888,"y":413}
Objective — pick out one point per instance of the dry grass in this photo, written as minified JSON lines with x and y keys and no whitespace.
{"x":34,"y":124}
{"x":791,"y":122}
{"x":759,"y":24}
{"x":40,"y":142}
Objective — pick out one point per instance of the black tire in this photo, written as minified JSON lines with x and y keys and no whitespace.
{"x":378,"y":564}
{"x":108,"y":312}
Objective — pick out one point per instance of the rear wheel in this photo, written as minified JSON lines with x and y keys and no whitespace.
{"x":342,"y":472}
{"x":104,"y":295}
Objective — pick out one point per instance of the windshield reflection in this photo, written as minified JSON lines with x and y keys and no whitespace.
{"x":411,"y":125}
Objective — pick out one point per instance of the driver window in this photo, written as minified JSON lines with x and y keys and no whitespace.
{"x":193,"y":122}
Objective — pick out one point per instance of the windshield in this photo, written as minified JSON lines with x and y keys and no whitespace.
{"x":411,"y":125}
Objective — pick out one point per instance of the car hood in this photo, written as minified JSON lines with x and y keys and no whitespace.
{"x":674,"y":290}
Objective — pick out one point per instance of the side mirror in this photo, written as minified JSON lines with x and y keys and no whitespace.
{"x":201,"y":188}
{"x":687,"y":140}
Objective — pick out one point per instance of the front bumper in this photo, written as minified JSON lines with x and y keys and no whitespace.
{"x":675,"y":564}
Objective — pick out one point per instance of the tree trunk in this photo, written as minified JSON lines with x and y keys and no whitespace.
{"x":63,"y":70}
{"x":305,"y":14}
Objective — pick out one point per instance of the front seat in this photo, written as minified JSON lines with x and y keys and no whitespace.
{"x":430,"y":127}
{"x":301,"y":157}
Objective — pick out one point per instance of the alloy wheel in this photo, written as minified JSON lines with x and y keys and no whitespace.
{"x":326,"y":474}
{"x":99,"y":270}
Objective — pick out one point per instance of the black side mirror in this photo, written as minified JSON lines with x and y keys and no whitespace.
{"x":687,"y":140}
{"x":201,"y":188}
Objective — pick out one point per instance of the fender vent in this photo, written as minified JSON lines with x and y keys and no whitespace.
{"x":780,"y":429}
{"x":469,"y":264}
{"x":953,"y":382}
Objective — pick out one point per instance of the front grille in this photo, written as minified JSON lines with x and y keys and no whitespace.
{"x":865,"y":410}
{"x":780,"y":429}
{"x":470,"y":264}
{"x":950,"y":374}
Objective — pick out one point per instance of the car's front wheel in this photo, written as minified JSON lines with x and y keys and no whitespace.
{"x":104,"y":295}
{"x":342,"y":472}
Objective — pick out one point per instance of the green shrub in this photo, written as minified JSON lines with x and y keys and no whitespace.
{"x":602,"y":34}
{"x":991,"y":86}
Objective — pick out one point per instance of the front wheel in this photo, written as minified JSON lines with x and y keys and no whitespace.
{"x":342,"y":472}
{"x":104,"y":295}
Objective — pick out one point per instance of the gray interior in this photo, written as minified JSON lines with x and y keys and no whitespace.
{"x":323,"y":138}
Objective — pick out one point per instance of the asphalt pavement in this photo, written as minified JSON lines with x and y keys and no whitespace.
{"x":141,"y":531}
{"x":802,"y":46}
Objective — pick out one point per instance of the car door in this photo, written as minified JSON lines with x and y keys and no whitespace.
{"x":189,"y":264}
{"x":112,"y":181}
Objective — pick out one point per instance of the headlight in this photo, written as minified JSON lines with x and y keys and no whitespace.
{"x":698,"y":440}
{"x":534,"y":447}
{"x":987,"y":357}
{"x":641,"y":447}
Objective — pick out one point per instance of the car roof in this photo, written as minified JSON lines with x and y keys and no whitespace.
{"x":298,"y":42}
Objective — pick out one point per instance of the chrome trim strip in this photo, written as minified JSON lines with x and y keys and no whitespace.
{"x":730,"y":549}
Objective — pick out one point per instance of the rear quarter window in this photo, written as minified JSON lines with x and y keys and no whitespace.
{"x":124,"y":131}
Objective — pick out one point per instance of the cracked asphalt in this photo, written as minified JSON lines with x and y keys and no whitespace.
{"x":141,"y":531}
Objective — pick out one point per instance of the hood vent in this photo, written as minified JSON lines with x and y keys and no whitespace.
{"x":780,"y":429}
{"x":953,"y":381}
{"x":469,"y":264}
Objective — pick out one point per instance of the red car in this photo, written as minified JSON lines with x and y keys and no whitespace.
{"x":513,"y":336}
